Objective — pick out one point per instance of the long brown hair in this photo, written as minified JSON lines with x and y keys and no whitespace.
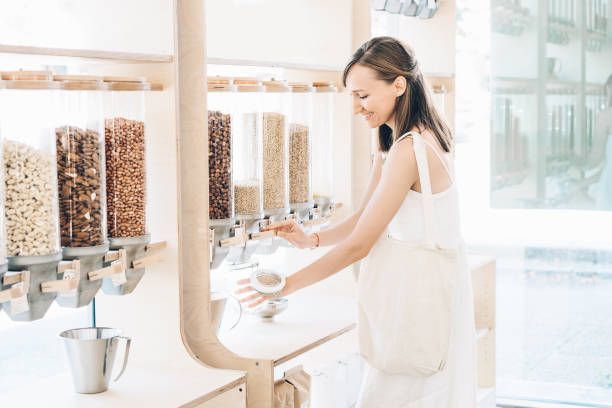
{"x":391,"y":59}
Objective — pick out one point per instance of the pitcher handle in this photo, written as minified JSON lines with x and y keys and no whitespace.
{"x":234,"y":298}
{"x":128,"y":341}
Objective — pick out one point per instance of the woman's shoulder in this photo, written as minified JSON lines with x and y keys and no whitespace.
{"x":402,"y":151}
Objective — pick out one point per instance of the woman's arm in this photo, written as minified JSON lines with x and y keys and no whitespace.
{"x":294,"y":233}
{"x":397,"y":178}
{"x":336,"y":234}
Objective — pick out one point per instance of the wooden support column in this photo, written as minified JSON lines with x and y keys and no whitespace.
{"x":194,"y":274}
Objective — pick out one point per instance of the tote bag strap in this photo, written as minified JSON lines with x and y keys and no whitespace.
{"x":423,"y":166}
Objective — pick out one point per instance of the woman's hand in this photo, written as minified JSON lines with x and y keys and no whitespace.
{"x":293,"y":232}
{"x":258,"y":298}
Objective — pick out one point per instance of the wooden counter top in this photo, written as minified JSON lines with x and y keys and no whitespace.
{"x":149,"y":387}
{"x":309,"y":321}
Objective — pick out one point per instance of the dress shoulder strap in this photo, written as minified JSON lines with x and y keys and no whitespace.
{"x":423,"y":167}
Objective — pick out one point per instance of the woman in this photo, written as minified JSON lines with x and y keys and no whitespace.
{"x":389,"y":92}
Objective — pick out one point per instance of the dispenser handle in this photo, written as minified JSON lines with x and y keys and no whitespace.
{"x":147,"y":260}
{"x":153,"y":246}
{"x":64,"y":285}
{"x":104,"y":272}
{"x":256,"y":236}
{"x":15,"y":292}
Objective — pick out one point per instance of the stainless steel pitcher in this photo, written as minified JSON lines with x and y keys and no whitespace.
{"x":91,"y":354}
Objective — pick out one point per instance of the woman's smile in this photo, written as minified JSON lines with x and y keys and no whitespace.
{"x":368,"y":116}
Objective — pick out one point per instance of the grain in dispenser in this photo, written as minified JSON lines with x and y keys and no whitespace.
{"x":277,"y":110}
{"x":300,"y":131}
{"x":247,"y":167}
{"x":31,"y":106}
{"x":126,"y":184}
{"x":275,"y":157}
{"x":247,"y":148}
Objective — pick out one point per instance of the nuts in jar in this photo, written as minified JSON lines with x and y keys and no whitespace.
{"x":31,"y":199}
{"x":125,"y":177}
{"x":80,"y":192}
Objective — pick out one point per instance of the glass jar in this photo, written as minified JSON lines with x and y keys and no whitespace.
{"x":247,"y":148}
{"x":300,"y":129}
{"x":323,"y":144}
{"x":81,"y":162}
{"x":220,"y":121}
{"x":126,"y":184}
{"x":30,"y":114}
{"x":3,"y":262}
{"x":275,"y":123}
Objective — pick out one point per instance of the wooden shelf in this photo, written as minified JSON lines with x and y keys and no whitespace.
{"x":152,"y":387}
{"x":273,"y":64}
{"x":126,"y":57}
{"x":309,"y":321}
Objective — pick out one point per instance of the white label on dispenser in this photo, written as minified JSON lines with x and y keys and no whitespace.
{"x":69,"y":274}
{"x":20,"y":304}
{"x":119,"y":278}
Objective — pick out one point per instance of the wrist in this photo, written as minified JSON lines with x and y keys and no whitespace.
{"x":315,"y":240}
{"x":290,"y":285}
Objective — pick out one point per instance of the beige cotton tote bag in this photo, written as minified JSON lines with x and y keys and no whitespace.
{"x":405,"y":294}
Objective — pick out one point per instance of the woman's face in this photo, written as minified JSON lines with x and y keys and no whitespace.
{"x":373,"y":99}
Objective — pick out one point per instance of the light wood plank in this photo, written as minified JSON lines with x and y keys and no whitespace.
{"x":274,"y":64}
{"x":129,"y":57}
{"x":194,"y":276}
{"x":148,"y":386}
{"x":309,"y":321}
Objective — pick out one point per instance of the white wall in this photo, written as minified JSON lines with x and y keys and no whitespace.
{"x":114,"y":25}
{"x":433,"y":40}
{"x":312,"y":32}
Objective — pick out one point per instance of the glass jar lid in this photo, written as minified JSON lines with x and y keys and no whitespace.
{"x":124,"y":79}
{"x":325,"y":87}
{"x":130,"y":86}
{"x":22,"y":75}
{"x":301,"y":87}
{"x":276,"y":86}
{"x":33,"y":84}
{"x":220,"y":87}
{"x":246,"y":81}
{"x":250,"y":88}
{"x":219,"y":80}
{"x":82,"y":82}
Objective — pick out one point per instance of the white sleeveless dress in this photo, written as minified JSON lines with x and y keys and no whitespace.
{"x":455,"y":386}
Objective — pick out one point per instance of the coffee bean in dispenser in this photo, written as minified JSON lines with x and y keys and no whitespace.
{"x":219,"y":165}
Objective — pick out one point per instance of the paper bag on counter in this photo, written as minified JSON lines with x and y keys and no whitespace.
{"x":300,"y":380}
{"x":283,"y":394}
